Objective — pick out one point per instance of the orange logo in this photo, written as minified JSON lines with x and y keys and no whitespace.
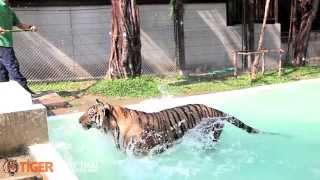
{"x":36,"y":167}
{"x":13,"y":166}
{"x":10,"y":166}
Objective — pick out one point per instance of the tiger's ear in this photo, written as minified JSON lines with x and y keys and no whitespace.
{"x":107,"y":106}
{"x":98,"y":101}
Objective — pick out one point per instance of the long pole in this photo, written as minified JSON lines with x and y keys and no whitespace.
{"x":18,"y":30}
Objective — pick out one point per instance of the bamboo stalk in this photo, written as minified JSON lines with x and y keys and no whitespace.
{"x":260,"y":44}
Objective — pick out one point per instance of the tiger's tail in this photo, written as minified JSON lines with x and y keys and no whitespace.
{"x":231,"y":119}
{"x":238,"y":123}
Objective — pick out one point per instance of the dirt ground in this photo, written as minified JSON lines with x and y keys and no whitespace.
{"x":81,"y":103}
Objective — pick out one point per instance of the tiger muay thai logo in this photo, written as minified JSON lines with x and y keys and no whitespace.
{"x":10,"y":166}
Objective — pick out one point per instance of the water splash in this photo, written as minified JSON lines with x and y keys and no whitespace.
{"x":186,"y":159}
{"x":164,"y":90}
{"x":200,"y":138}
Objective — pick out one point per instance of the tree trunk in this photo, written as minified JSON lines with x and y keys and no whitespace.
{"x":248,"y":30}
{"x":125,"y":57}
{"x":308,"y":10}
{"x":255,"y":64}
{"x":292,"y":30}
{"x":248,"y":12}
{"x":178,"y":11}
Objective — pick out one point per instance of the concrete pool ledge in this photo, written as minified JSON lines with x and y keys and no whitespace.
{"x":24,"y":132}
{"x":21,"y":122}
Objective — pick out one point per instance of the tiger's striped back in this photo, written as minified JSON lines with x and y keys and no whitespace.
{"x":182,"y":118}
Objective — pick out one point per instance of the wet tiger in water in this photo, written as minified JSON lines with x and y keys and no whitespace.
{"x":140,"y":131}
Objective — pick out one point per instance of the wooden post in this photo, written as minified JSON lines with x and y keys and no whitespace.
{"x":249,"y":60}
{"x":235,"y":73}
{"x":280,"y":64}
{"x":263,"y":62}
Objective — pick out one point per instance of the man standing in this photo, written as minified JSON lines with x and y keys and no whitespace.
{"x":9,"y":66}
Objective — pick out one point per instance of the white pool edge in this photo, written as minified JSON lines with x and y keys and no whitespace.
{"x":217,"y":97}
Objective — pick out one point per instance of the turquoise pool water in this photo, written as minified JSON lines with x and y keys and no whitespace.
{"x":291,"y":110}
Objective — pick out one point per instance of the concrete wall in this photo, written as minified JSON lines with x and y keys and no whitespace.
{"x":313,"y":53}
{"x":209,"y":42}
{"x":73,"y":42}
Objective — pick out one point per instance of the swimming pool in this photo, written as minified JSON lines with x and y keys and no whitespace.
{"x":290,"y":109}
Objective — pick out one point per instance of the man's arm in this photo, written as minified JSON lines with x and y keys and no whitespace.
{"x":2,"y":31}
{"x":26,"y":27}
{"x":19,"y":24}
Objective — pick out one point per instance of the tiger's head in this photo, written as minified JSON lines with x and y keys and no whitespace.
{"x":98,"y":116}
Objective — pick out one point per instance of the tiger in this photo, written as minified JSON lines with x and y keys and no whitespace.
{"x":140,"y":131}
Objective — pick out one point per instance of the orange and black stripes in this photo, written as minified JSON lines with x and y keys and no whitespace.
{"x":148,"y":130}
{"x":182,"y":118}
